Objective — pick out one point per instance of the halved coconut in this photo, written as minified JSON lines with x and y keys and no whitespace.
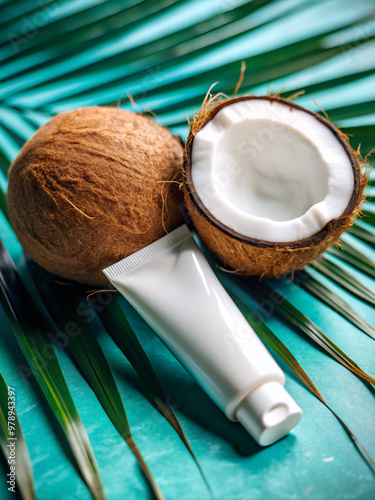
{"x":269,"y":185}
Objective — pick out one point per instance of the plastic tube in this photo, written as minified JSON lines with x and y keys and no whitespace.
{"x":172,"y":286}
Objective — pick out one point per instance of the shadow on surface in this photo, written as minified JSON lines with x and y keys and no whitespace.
{"x":188,"y":398}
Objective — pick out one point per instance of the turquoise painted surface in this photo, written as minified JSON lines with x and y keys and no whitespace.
{"x":95,"y":58}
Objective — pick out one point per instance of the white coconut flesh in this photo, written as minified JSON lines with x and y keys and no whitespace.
{"x":270,"y":171}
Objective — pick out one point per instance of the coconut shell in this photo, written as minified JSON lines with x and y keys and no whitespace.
{"x":249,"y":256}
{"x":91,"y":187}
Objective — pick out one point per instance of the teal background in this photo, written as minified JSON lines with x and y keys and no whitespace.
{"x":316,"y":460}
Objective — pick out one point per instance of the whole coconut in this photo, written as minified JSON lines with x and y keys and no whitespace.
{"x":91,"y":187}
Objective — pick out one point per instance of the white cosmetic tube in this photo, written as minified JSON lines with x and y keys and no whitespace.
{"x":171,"y":285}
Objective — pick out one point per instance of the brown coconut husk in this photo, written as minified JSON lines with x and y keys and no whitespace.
{"x":84,"y":192}
{"x":249,"y":256}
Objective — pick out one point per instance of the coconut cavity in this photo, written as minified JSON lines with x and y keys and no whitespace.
{"x":91,"y":187}
{"x":269,"y":185}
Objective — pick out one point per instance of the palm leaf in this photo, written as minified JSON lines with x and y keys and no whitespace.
{"x":13,"y":431}
{"x":9,"y":148}
{"x":322,"y":292}
{"x":342,"y":276}
{"x":3,"y":204}
{"x":355,"y":253}
{"x":63,"y":303}
{"x":112,"y":50}
{"x":365,"y":231}
{"x":284,"y":353}
{"x":369,"y":212}
{"x":309,"y":328}
{"x":34,"y":344}
{"x":116,"y":324}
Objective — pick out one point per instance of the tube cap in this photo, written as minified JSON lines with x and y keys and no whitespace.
{"x":268,"y":413}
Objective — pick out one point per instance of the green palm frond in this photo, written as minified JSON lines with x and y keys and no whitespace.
{"x":304,"y":324}
{"x":350,"y":254}
{"x":63,"y":303}
{"x":163,"y":56}
{"x":343,"y":276}
{"x":323,"y":292}
{"x":10,"y":427}
{"x":115,"y":323}
{"x":284,"y":353}
{"x":43,"y":363}
{"x":364,"y":231}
